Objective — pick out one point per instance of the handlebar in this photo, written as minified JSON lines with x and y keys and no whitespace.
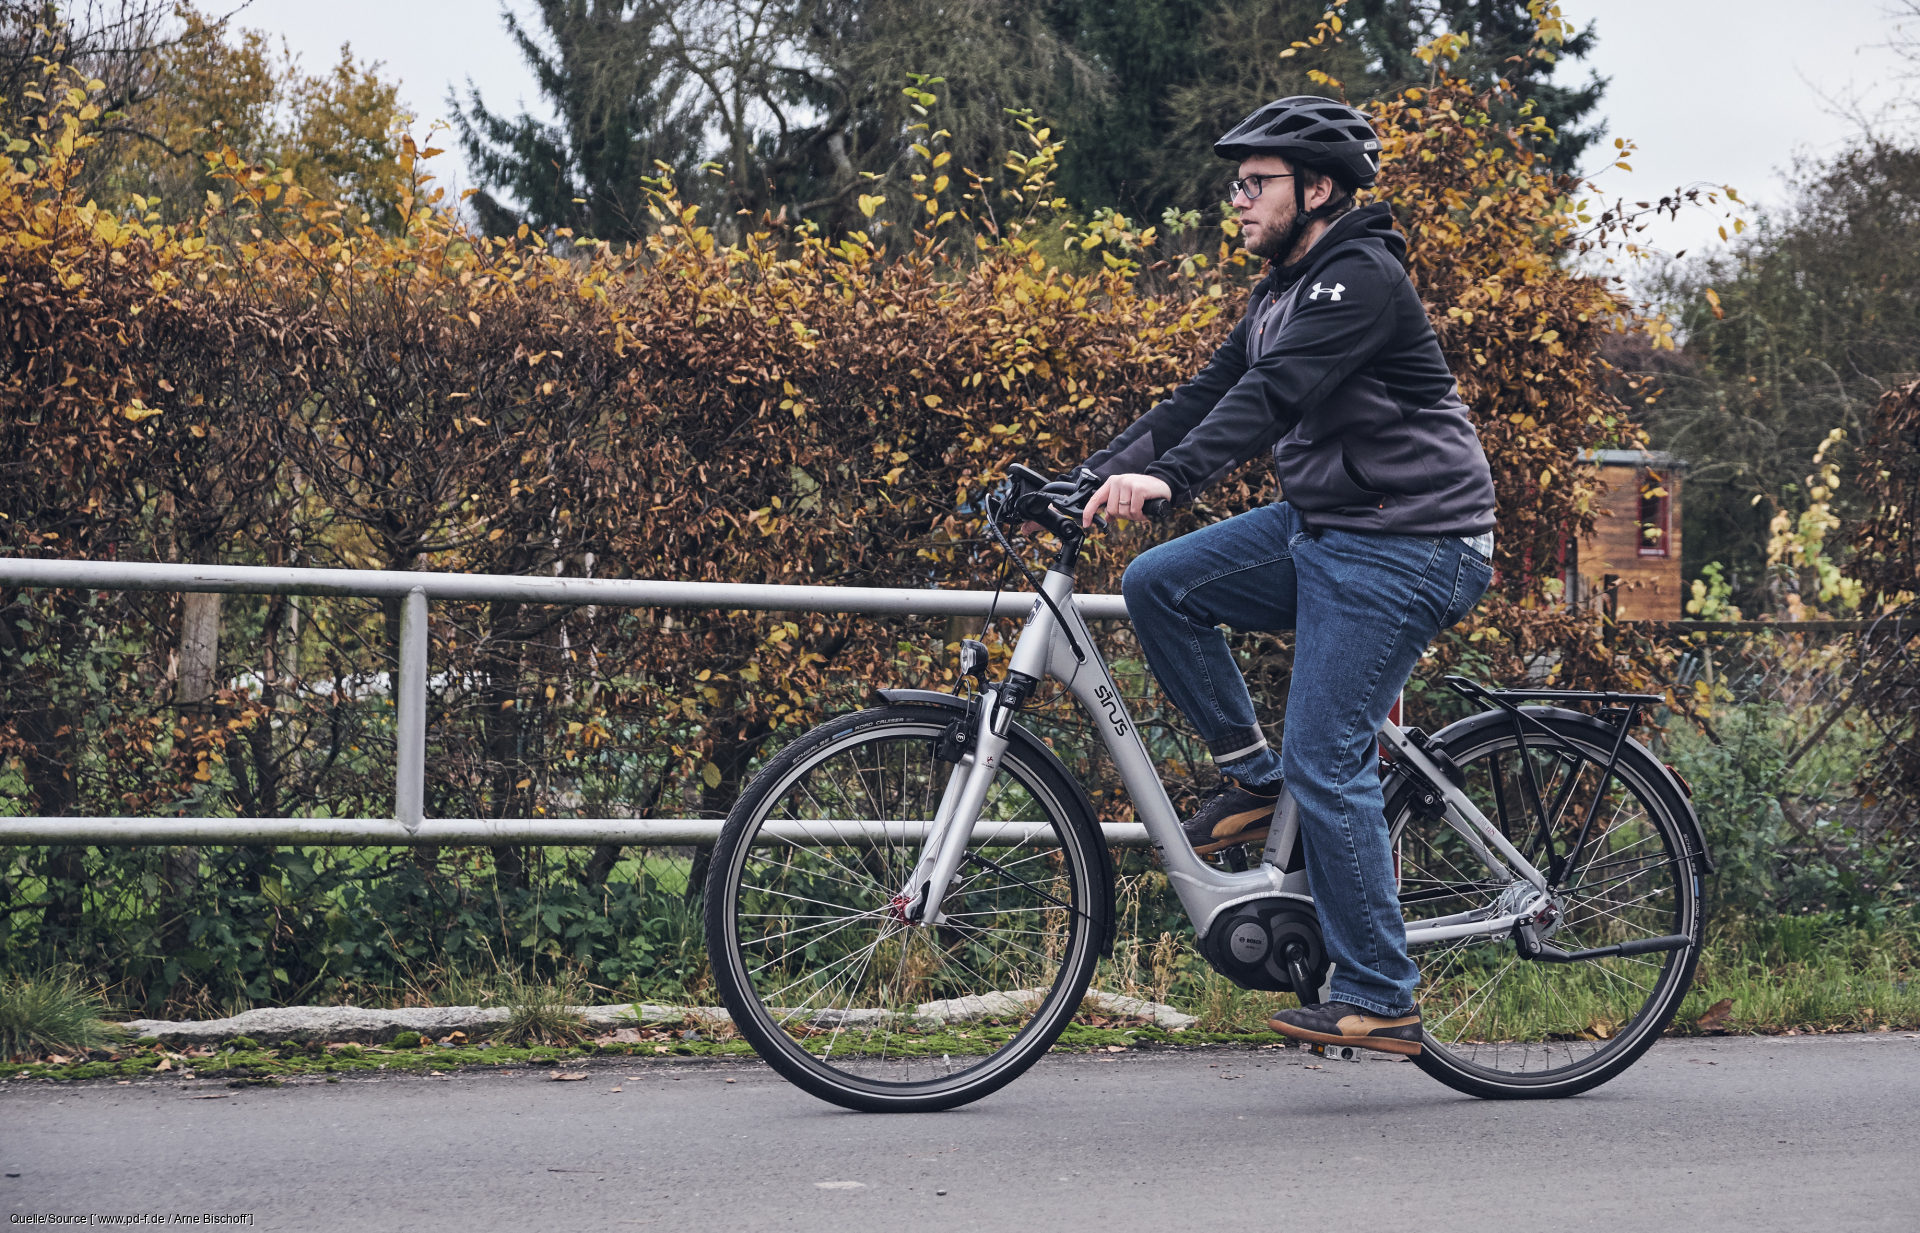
{"x":1057,"y":505}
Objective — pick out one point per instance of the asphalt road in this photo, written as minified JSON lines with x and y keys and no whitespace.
{"x":1791,"y":1133}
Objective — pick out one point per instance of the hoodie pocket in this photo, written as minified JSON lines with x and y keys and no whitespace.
{"x":1318,"y":477}
{"x":1373,"y":495}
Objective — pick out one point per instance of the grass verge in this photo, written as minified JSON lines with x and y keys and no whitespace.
{"x":51,"y":1013}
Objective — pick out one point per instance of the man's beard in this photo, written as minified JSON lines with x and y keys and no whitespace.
{"x":1268,"y":247}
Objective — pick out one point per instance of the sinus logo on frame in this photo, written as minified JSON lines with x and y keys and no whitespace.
{"x":1112,"y":705}
{"x":1333,"y":291}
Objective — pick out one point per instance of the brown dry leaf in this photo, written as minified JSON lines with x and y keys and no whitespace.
{"x":166,"y":1063}
{"x":1715,"y":1020}
{"x":1116,"y":1048}
{"x":571,"y":1076}
{"x":660,"y":1048}
{"x":615,"y":1089}
{"x":619,"y":1036}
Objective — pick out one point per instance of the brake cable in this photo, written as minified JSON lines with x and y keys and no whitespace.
{"x":993,"y":527}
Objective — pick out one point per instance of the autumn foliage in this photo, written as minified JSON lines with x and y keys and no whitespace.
{"x":285,"y":380}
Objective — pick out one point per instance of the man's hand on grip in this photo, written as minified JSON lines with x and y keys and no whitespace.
{"x":1126,"y":496}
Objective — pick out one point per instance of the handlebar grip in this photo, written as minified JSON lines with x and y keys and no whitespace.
{"x":1156,"y":508}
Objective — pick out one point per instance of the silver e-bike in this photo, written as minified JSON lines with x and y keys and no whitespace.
{"x":906,"y":905}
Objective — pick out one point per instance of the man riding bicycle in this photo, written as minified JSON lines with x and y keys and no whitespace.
{"x":1380,"y":540}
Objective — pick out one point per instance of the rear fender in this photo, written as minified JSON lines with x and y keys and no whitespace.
{"x":1459,"y":735}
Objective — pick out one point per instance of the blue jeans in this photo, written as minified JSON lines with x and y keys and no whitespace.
{"x":1363,"y":608}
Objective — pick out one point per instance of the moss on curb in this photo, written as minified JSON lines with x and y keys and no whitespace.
{"x":262,"y":1066}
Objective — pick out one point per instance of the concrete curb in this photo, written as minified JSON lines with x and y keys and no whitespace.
{"x":351,"y":1023}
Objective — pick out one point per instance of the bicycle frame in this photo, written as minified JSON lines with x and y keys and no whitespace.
{"x":1046,"y":648}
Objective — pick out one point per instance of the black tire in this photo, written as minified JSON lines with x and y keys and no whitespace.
{"x":1501,"y":1027}
{"x":839,"y":1005}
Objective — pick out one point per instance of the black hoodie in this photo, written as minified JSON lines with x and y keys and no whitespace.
{"x":1335,"y":367}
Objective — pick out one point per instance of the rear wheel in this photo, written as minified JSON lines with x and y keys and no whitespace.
{"x":840,"y":993}
{"x":1504,"y":1027}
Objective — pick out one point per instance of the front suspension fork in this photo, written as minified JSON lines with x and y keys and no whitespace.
{"x":960,"y":805}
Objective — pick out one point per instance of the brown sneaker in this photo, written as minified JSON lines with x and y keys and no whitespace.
{"x":1230,"y":814}
{"x":1341,"y":1023}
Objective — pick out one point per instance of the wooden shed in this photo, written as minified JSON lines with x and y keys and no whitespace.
{"x":1631,"y":562}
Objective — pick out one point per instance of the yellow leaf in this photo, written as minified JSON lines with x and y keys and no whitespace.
{"x":710,"y":775}
{"x":869,"y":204}
{"x":523,"y":783}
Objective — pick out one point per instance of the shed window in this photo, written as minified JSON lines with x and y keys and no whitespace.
{"x":1656,"y":514}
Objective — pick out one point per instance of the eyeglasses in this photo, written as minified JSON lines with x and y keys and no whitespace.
{"x":1252,"y":186}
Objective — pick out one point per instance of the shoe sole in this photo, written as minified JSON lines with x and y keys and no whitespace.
{"x":1381,"y":1044}
{"x":1208,"y":849}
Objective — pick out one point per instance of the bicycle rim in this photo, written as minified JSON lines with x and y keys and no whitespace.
{"x":1501,"y":1026}
{"x":826,"y":979}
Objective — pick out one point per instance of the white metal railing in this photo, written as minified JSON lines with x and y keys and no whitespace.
{"x":409,"y":826}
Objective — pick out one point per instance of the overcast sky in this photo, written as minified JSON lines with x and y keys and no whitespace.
{"x":1715,"y":92}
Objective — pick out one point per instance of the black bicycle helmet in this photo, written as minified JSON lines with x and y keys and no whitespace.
{"x":1309,"y":131}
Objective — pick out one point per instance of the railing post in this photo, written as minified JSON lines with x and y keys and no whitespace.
{"x":410,"y":702}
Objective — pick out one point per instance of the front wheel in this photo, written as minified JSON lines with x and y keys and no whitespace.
{"x":827,"y":980}
{"x":1504,"y":1027}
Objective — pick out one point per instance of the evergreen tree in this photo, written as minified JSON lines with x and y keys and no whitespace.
{"x":1242,"y":42}
{"x":1144,"y":49}
{"x":1501,"y":46}
{"x":993,"y":56}
{"x":1184,"y":71}
{"x":607,"y":69}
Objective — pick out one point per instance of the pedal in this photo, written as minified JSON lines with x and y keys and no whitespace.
{"x":1236,"y":857}
{"x":1337,"y":1053}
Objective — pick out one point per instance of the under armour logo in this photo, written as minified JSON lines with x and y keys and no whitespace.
{"x":1333,"y":291}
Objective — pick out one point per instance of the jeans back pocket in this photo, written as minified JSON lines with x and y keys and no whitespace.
{"x":1470,"y":582}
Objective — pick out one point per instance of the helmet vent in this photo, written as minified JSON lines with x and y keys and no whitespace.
{"x":1292,"y":124}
